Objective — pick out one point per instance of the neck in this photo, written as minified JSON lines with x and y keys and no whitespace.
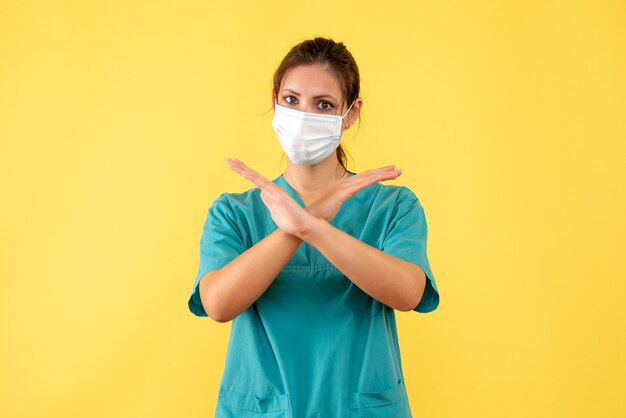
{"x":312,"y":179}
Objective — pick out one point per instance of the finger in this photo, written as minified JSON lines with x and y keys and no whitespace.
{"x":381,"y":175}
{"x":388,"y":175}
{"x":251,"y":174}
{"x":375,"y":172}
{"x":270,"y":188}
{"x":370,"y":177}
{"x":265,"y":199}
{"x":248,"y":173}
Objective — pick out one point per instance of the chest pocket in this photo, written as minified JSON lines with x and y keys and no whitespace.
{"x":246,"y":405}
{"x":390,"y":403}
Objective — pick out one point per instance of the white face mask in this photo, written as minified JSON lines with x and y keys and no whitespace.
{"x":307,"y":138}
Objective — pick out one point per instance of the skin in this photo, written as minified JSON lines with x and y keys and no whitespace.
{"x":323,"y":187}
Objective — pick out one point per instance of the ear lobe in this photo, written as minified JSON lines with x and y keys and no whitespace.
{"x":354,"y":114}
{"x":352,"y":120}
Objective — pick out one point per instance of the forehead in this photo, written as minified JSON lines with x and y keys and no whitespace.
{"x":311,"y":80}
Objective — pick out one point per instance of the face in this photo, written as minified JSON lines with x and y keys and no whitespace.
{"x":314,"y":89}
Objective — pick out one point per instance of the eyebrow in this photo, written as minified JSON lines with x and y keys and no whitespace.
{"x":315,"y":97}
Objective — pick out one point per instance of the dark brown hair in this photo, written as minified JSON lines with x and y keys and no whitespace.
{"x":339,"y":61}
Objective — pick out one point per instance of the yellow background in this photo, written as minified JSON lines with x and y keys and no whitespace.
{"x":507,"y":118}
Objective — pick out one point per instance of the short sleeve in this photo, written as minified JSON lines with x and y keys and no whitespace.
{"x":220,"y":243}
{"x":406,"y":239}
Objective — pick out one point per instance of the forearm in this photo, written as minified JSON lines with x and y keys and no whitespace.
{"x":227,"y":292}
{"x":394,"y":282}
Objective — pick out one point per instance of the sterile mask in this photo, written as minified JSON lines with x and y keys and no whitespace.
{"x":307,"y":138}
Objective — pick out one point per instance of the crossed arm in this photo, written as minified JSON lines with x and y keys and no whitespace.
{"x":228,"y":291}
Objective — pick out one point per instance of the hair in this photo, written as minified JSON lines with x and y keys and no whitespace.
{"x":339,"y":61}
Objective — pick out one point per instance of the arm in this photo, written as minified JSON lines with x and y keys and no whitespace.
{"x":395,"y":282}
{"x":228,"y":291}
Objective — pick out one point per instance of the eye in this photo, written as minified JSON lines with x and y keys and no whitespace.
{"x":290,"y":99}
{"x":324,"y":105}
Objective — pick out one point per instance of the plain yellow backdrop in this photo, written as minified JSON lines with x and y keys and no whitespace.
{"x":507,"y":119}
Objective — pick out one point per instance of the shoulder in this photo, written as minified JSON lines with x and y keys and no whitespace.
{"x":237,"y":202}
{"x":238,"y":198}
{"x":394,"y":193}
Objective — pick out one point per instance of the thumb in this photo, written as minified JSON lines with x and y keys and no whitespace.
{"x":265,"y":199}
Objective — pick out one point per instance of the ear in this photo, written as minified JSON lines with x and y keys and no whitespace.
{"x":273,"y":98}
{"x":354,"y":113}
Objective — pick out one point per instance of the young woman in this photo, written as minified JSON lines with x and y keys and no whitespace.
{"x":311,"y":265}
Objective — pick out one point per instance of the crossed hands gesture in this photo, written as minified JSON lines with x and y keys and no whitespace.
{"x":292,"y":218}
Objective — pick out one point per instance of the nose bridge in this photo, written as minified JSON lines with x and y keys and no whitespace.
{"x":308,"y":104}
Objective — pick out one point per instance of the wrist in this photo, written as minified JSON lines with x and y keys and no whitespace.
{"x":292,"y":238}
{"x":314,"y":225}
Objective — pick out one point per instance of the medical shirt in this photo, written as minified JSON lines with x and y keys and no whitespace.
{"x":314,"y":344}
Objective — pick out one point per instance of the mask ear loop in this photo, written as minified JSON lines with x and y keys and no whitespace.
{"x":344,"y":115}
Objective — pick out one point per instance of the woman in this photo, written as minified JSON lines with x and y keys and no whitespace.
{"x":311,"y":265}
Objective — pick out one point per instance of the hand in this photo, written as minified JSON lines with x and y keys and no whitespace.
{"x":327,"y":205}
{"x":290,"y":216}
{"x":285,"y":211}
